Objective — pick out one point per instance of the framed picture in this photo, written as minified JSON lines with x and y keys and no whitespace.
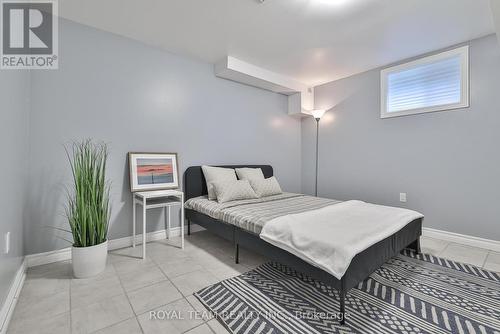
{"x":153,"y":171}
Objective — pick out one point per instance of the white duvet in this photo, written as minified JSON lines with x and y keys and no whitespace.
{"x":330,"y":237}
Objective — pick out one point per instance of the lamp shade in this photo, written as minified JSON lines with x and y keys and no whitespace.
{"x":318,"y":113}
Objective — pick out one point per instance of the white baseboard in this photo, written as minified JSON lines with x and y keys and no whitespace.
{"x":10,"y":303}
{"x":64,"y":254}
{"x":34,"y":260}
{"x":151,"y":236}
{"x":468,"y":240}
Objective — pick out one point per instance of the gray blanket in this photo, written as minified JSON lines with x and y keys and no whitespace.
{"x":253,"y":214}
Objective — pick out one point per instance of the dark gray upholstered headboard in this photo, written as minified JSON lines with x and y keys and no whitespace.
{"x":195,"y":184}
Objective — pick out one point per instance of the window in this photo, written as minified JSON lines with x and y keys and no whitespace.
{"x":434,"y":83}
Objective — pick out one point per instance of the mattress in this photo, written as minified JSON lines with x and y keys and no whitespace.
{"x":251,"y":215}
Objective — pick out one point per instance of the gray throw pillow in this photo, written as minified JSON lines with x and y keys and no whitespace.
{"x":213,"y":174}
{"x":227,"y":191}
{"x":266,"y":187}
{"x":250,"y":173}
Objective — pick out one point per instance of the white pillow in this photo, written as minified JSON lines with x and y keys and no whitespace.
{"x":250,"y":174}
{"x":213,"y":174}
{"x":266,"y":187}
{"x":227,"y":191}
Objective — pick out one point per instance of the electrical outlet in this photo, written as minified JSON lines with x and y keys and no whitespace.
{"x":402,"y":197}
{"x":6,"y":248}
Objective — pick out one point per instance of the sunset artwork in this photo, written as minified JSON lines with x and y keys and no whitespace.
{"x":155,"y":171}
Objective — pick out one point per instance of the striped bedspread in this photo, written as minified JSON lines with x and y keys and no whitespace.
{"x":252,"y":215}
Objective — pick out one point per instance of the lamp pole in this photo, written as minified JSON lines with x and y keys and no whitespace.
{"x":317,"y":114}
{"x":317,"y":153}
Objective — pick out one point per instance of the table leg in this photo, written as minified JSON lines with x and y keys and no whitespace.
{"x":182,"y":221}
{"x":133,"y":221}
{"x":168,"y":223}
{"x":144,"y":228}
{"x":165,"y":222}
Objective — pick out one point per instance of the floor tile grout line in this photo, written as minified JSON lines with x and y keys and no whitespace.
{"x":444,"y":249}
{"x":159,"y":264}
{"x":102,"y":298}
{"x":470,"y":247}
{"x":175,"y":286}
{"x":479,"y":264}
{"x":167,"y":278}
{"x":164,"y":305}
{"x":486,"y":259}
{"x":70,"y":304}
{"x":131,"y":271}
{"x":203,"y":323}
{"x":210,"y":327}
{"x":171,"y":282}
{"x":187,"y":300}
{"x":128,"y":299}
{"x":189,"y":272}
{"x":145,"y":286}
{"x":116,"y":323}
{"x":42,"y":317}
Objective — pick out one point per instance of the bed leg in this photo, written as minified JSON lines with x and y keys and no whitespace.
{"x":415,"y":246}
{"x":342,"y":301}
{"x":189,"y":226}
{"x":236,"y":253}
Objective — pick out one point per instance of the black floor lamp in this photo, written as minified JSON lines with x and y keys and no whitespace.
{"x":317,"y":114}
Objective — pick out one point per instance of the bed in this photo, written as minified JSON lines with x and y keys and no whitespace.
{"x":233,"y":226}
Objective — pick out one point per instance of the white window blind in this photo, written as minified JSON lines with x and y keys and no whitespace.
{"x":434,"y":83}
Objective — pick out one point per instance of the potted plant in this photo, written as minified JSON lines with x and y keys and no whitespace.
{"x":88,"y":208}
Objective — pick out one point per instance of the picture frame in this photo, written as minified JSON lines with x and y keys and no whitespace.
{"x":153,"y":171}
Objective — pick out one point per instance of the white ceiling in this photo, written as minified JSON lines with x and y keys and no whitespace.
{"x":313,"y":41}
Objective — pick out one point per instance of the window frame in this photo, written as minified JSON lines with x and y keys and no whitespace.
{"x":462,"y":51}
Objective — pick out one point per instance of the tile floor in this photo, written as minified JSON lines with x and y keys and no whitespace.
{"x":135,"y":296}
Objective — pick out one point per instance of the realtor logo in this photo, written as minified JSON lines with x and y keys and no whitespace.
{"x":29,"y":35}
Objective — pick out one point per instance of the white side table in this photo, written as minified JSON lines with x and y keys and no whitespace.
{"x":157,"y":199}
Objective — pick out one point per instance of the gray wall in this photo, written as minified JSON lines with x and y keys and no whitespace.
{"x":137,"y":98}
{"x":14,"y":113}
{"x":447,"y":162}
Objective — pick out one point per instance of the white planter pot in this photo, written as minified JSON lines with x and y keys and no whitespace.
{"x":89,"y":261}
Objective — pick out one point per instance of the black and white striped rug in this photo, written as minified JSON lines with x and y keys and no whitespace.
{"x":409,"y":294}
